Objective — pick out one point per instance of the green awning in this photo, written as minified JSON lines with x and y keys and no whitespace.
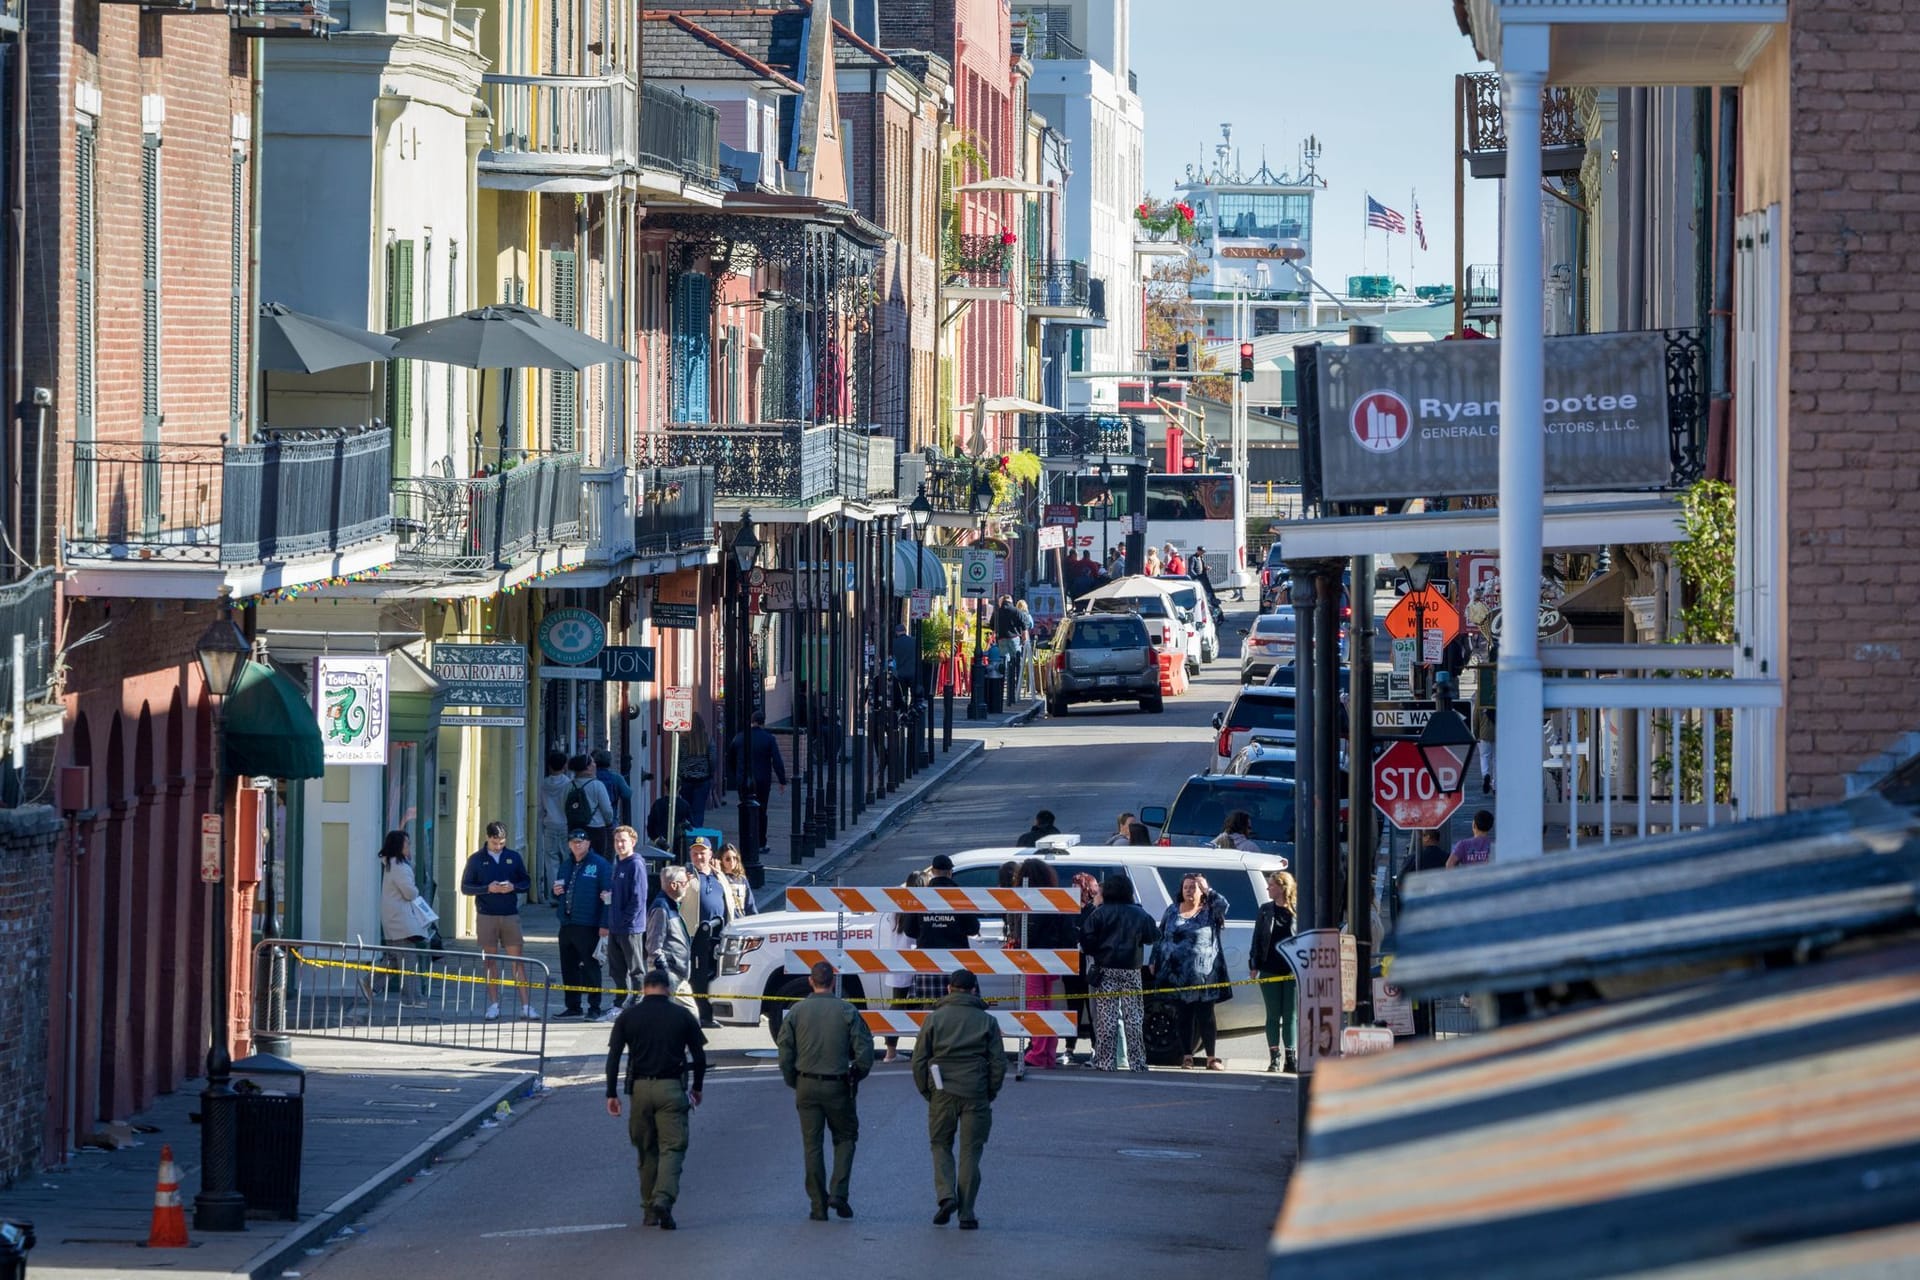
{"x":269,"y":729}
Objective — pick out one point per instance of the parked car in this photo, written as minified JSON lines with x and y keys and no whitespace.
{"x":1270,"y":642}
{"x":1265,"y":756}
{"x":1187,"y":595}
{"x":1257,"y":708}
{"x":1101,"y":657}
{"x":757,"y":952}
{"x":1199,"y":812}
{"x":1173,"y":628}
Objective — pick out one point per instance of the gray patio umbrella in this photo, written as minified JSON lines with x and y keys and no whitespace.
{"x":504,"y":336}
{"x":292,"y":342}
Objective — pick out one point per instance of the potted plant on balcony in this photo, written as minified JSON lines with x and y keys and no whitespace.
{"x":1175,"y":216}
{"x":1006,"y":472}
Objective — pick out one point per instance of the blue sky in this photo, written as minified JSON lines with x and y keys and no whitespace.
{"x":1373,"y":79}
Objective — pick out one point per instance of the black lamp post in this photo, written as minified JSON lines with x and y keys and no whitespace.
{"x":1441,"y":741}
{"x":223,"y":654}
{"x":979,"y":502}
{"x":746,"y":548}
{"x":920,"y":511}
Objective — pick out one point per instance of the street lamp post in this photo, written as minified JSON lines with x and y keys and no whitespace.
{"x":746,"y":548}
{"x":223,"y":653}
{"x":980,"y":499}
{"x":920,"y":511}
{"x":1446,"y":743}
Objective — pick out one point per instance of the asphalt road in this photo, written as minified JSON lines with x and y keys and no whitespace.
{"x":1175,"y":1174}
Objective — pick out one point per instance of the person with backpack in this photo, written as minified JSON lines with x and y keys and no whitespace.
{"x":588,"y":807}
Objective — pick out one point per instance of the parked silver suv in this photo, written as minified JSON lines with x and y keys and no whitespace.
{"x":1101,"y":657}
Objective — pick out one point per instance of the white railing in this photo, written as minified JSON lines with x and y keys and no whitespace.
{"x":1631,"y":750}
{"x":587,"y":122}
{"x":610,"y":503}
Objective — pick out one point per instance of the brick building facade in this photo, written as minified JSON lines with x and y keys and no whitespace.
{"x":28,"y":848}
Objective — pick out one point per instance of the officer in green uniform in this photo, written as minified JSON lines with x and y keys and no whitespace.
{"x":825,"y":1052}
{"x":959,"y":1064}
{"x":663,"y":1042}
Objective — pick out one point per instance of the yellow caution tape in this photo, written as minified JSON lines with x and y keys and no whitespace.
{"x":918,"y":1002}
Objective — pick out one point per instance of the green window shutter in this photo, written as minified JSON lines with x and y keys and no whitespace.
{"x":85,"y":315}
{"x":400,"y":372}
{"x":236,"y":366}
{"x":563,"y":304}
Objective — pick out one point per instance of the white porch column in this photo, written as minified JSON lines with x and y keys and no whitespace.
{"x":1517,"y":816}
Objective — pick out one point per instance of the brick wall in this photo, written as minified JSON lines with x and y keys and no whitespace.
{"x":1853,"y":467}
{"x":27,"y":842}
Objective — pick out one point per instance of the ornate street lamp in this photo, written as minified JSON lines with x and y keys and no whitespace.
{"x":746,"y":549}
{"x":1447,"y":743}
{"x":223,"y":653}
{"x":920,"y":512}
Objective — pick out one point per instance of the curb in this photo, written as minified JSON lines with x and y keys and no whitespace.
{"x":904,"y":803}
{"x":270,"y":1261}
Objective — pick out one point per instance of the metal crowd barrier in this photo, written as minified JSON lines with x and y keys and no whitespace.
{"x":353,"y":991}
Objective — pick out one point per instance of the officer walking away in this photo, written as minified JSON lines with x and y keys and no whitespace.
{"x":626,"y":927}
{"x":581,"y":893}
{"x":958,"y":1066}
{"x":825,"y":1052}
{"x":662,"y":1041}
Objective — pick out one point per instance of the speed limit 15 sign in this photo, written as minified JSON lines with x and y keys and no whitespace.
{"x":1316,"y":957}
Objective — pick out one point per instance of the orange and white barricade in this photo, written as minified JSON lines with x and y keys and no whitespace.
{"x":1011,"y":961}
{"x":887,"y":901}
{"x":1014,"y":1023}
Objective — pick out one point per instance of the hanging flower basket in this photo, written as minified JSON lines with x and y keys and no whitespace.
{"x":1159,"y":219}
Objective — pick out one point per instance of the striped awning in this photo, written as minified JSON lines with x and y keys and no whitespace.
{"x":1762,"y":1125}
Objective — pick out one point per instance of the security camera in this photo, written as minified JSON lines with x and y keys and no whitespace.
{"x":42,"y":397}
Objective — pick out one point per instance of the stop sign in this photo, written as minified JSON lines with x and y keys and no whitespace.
{"x":1406,"y":795}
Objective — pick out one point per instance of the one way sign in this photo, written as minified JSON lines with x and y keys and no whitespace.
{"x":1403,"y":719}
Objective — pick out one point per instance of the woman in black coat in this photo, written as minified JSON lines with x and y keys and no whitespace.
{"x":1273,"y":926}
{"x":1115,"y":936}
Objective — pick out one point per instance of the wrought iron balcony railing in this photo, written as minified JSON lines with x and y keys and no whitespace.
{"x":290,"y":494}
{"x":26,"y":610}
{"x":951,"y":483}
{"x":1483,"y":287}
{"x":1044,"y":43}
{"x":977,"y":261}
{"x":676,"y":511}
{"x":562,"y":124}
{"x":1563,"y":142}
{"x":1059,"y":284}
{"x":453,"y":526}
{"x":777,"y":463}
{"x":679,"y":133}
{"x":1075,"y":437}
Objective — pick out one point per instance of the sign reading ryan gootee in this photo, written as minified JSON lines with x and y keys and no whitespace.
{"x":1410,"y":420}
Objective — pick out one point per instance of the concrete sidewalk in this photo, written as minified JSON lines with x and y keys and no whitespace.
{"x":376,"y":1117}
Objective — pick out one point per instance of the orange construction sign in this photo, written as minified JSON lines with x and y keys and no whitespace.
{"x":1038,"y":964}
{"x":896,"y":898}
{"x":1013,"y":1022}
{"x":1428,"y":609}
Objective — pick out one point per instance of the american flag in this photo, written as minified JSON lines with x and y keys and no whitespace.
{"x":1419,"y":227}
{"x":1378,"y":215}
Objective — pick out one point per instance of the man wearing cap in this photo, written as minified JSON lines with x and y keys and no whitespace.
{"x":581,"y":893}
{"x":706,"y":908}
{"x":825,"y":1052}
{"x":959,"y":1065}
{"x":934,"y":930}
{"x":663,"y":1042}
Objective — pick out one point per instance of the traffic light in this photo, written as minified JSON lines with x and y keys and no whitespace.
{"x":1246,"y":362}
{"x":1183,"y":357}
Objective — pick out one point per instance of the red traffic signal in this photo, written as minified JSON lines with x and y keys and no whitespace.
{"x":1246,"y":362}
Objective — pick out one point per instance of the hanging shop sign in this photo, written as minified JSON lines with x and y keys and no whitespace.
{"x":676,"y":600}
{"x":350,"y":701}
{"x":1409,"y":420}
{"x":572,"y":637}
{"x":482,"y":675}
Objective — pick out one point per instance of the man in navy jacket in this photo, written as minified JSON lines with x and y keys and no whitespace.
{"x":496,"y":877}
{"x":626,"y":927}
{"x":582,"y":894}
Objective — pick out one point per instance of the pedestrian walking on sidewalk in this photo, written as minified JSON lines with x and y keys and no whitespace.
{"x":1267,"y":962}
{"x":1115,"y":936}
{"x":825,"y":1052}
{"x":663,"y":1042}
{"x":764,"y":767}
{"x":1189,"y":955}
{"x":404,"y":923}
{"x":495,"y":877}
{"x":582,"y":895}
{"x":668,"y":946}
{"x":626,"y":927}
{"x":958,"y":1066}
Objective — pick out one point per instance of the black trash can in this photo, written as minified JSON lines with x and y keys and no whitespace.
{"x":16,"y":1239}
{"x":270,"y":1123}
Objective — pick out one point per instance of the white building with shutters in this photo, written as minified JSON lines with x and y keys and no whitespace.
{"x":368,"y":213}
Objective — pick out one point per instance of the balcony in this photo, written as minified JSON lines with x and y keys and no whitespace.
{"x":1563,"y":144}
{"x":1483,"y":289}
{"x":547,"y":127}
{"x":1043,"y":44}
{"x":26,"y":672}
{"x":452,"y":527}
{"x":760,"y":464}
{"x":680,"y":140}
{"x":316,"y":496}
{"x":1062,"y":290}
{"x":1075,"y":439}
{"x":977,"y":265}
{"x":1607,"y":43}
{"x":676,"y":511}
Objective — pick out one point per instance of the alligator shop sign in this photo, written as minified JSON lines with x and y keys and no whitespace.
{"x":350,"y":701}
{"x":1422,"y":419}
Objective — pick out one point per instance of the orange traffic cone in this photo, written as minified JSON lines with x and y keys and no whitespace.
{"x":169,"y":1230}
